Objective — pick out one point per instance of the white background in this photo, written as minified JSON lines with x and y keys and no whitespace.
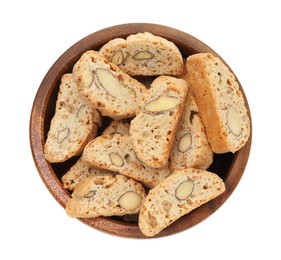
{"x":35,"y":33}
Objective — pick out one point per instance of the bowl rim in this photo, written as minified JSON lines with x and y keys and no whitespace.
{"x":36,"y":128}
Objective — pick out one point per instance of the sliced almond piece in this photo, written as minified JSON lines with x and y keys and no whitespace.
{"x":109,"y":82}
{"x":185,"y":143}
{"x":87,"y":77}
{"x":130,"y":200}
{"x":162,"y":103}
{"x":62,"y":135}
{"x":118,"y":57}
{"x":131,"y":92}
{"x":184,"y":190}
{"x":234,"y":121}
{"x":143,"y":55}
{"x":116,"y":159}
{"x":90,"y":194}
{"x":82,"y":113}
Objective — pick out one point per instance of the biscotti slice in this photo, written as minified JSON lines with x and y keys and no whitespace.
{"x":110,"y":90}
{"x":220,"y":102}
{"x":117,"y":127}
{"x":79,"y":171}
{"x":177,"y":195}
{"x":73,"y":125}
{"x":144,"y":54}
{"x":116,"y":153}
{"x":153,"y":130}
{"x":105,"y":196}
{"x":191,"y":148}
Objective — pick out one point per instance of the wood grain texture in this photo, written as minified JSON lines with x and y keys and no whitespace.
{"x":229,"y":167}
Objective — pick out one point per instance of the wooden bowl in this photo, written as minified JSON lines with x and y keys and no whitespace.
{"x":229,"y":167}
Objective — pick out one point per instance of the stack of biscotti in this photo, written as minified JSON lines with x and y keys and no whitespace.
{"x":149,"y":160}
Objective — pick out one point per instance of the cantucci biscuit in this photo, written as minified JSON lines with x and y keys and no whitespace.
{"x":116,"y":153}
{"x":144,"y":54}
{"x":191,"y":148}
{"x":153,"y":130}
{"x":110,"y":90}
{"x":73,"y":125}
{"x":105,"y":196}
{"x":220,"y":102}
{"x":80,"y":170}
{"x":177,"y":195}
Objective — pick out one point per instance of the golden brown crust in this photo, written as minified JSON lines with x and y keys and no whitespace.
{"x":216,"y":90}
